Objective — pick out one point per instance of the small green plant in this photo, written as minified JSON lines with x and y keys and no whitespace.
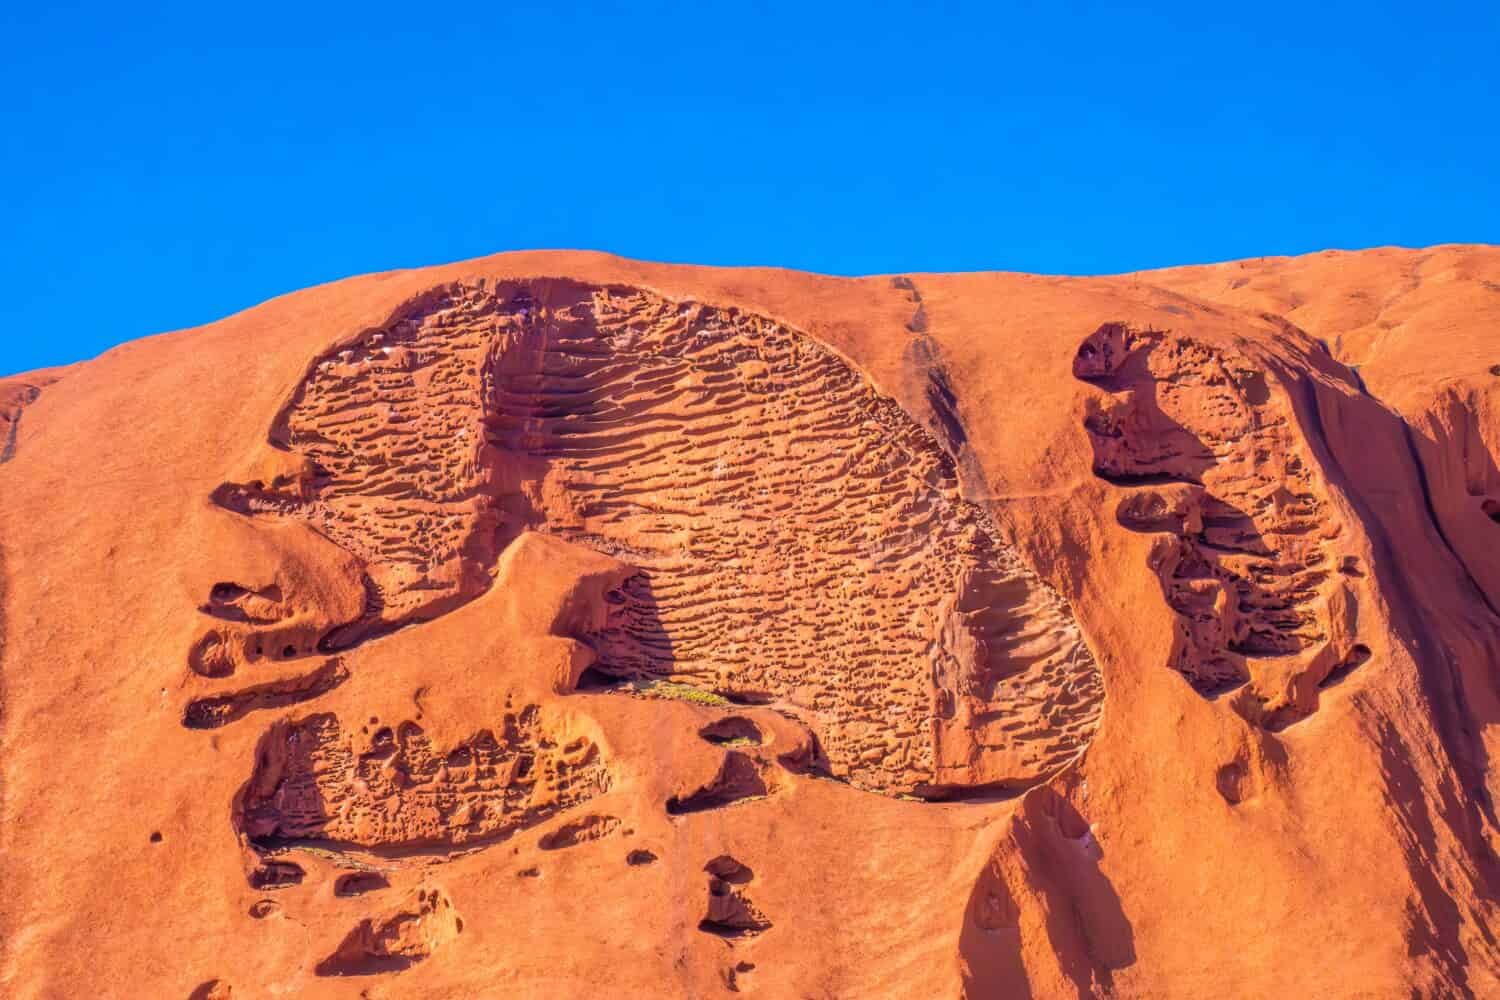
{"x":679,"y":692}
{"x":337,"y":857}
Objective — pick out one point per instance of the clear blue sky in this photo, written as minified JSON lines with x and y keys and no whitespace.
{"x":165,"y":165}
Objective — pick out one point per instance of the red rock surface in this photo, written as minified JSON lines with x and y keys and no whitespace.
{"x":557,"y":625}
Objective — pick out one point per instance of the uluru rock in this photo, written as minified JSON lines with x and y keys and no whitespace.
{"x":559,"y":625}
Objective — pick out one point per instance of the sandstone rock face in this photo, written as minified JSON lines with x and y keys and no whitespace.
{"x":560,"y":625}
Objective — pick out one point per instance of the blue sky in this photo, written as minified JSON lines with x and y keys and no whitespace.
{"x":162,"y":168}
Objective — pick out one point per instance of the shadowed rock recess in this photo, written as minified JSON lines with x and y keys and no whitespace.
{"x":1206,"y":445}
{"x":798,"y":540}
{"x":397,"y":794}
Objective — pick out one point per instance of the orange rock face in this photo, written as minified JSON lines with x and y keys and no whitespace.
{"x":556,"y":625}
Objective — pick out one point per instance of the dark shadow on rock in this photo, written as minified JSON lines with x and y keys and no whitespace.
{"x":1086,"y":922}
{"x":262,"y":803}
{"x":351,"y":959}
{"x":633,"y":644}
{"x":738,"y":778}
{"x":989,"y":945}
{"x":1417,"y":556}
{"x":1056,"y":855}
{"x":1137,"y":445}
{"x":1435,"y":922}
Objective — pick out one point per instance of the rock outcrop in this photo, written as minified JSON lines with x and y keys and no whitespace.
{"x":594,"y":627}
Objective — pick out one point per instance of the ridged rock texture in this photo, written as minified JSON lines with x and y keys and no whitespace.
{"x":558,"y":625}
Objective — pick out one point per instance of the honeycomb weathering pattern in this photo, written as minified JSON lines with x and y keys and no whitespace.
{"x":1215,"y":463}
{"x":391,"y":790}
{"x":800,"y":540}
